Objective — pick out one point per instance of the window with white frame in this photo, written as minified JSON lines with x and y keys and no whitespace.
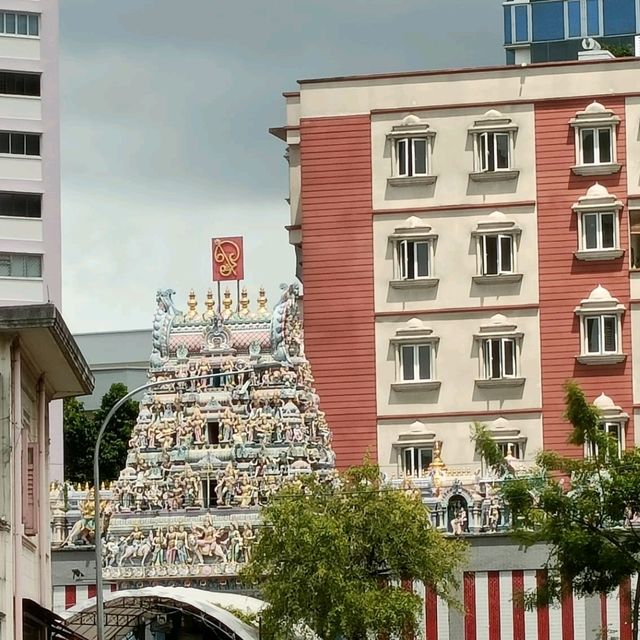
{"x":415,"y":356}
{"x":413,"y":251}
{"x":19,"y":24}
{"x":497,"y":254}
{"x":411,"y":157}
{"x":500,"y":358}
{"x":20,"y":265}
{"x":596,"y":145}
{"x":614,"y":430}
{"x":411,"y":150}
{"x":493,"y":147}
{"x":600,"y":328}
{"x":415,"y":362}
{"x":599,"y":230}
{"x":497,"y":240}
{"x":600,"y":334}
{"x":416,"y":461}
{"x":414,"y":259}
{"x":595,"y":140}
{"x":511,"y":449}
{"x":499,"y":345}
{"x":20,"y":144}
{"x":493,"y":151}
{"x":598,"y":214}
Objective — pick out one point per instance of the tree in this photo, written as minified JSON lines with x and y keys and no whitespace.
{"x":81,"y":432}
{"x":337,"y":557}
{"x":78,"y":436}
{"x":585,"y":509}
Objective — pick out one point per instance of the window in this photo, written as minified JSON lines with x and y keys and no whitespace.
{"x":413,"y":246}
{"x":598,"y":225}
{"x":416,"y":461}
{"x":413,"y":259}
{"x":30,"y":488}
{"x":595,"y":145}
{"x":497,"y":254}
{"x":494,"y":151}
{"x":22,"y":205}
{"x":510,"y":449}
{"x":411,"y":156}
{"x":20,"y":144}
{"x":499,"y":358}
{"x":411,"y":146}
{"x":614,"y":430}
{"x":19,"y":24}
{"x":415,"y":362}
{"x":496,"y":237}
{"x":19,"y":84}
{"x":547,"y":21}
{"x":600,"y":328}
{"x":598,"y":230}
{"x":20,"y":265}
{"x":634,"y":228}
{"x":595,"y":140}
{"x":601,"y":334}
{"x":499,"y":353}
{"x":619,"y":17}
{"x":493,"y":144}
{"x":415,"y":355}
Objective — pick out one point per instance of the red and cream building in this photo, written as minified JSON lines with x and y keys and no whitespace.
{"x":467,"y":242}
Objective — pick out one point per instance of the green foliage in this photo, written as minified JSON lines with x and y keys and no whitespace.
{"x":619,"y":50}
{"x":582,"y":509}
{"x":81,"y":432}
{"x":333,"y":557}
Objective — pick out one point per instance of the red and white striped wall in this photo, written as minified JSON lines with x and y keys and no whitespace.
{"x":67,"y":596}
{"x":492,"y":612}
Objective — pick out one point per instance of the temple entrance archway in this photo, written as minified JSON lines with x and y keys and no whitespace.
{"x":167,"y":612}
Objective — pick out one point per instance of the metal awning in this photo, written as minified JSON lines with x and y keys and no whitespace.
{"x":58,"y":627}
{"x":128,"y":609}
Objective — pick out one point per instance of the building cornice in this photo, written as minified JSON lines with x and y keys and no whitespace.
{"x":457,"y":310}
{"x":459,"y":414}
{"x":455,"y":207}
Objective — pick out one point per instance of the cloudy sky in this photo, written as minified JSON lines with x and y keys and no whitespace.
{"x":165,"y":110}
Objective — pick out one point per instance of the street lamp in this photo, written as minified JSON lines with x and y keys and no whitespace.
{"x":96,"y":480}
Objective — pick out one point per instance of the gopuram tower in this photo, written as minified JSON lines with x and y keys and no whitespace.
{"x":205,"y":454}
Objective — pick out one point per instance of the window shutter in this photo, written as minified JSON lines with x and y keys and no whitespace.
{"x":30,"y":481}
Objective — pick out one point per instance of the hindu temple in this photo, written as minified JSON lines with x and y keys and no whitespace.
{"x":233,"y":414}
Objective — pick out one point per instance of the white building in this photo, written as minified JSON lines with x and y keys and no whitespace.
{"x":30,"y":255}
{"x":39,"y":362}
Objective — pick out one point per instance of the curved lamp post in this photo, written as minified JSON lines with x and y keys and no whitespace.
{"x":96,"y":480}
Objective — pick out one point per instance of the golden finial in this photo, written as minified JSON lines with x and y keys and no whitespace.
{"x":209,"y":303}
{"x":244,"y":302}
{"x":227,"y":303}
{"x":262,"y":303}
{"x":192,"y":303}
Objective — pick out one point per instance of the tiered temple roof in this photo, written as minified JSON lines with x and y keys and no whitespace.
{"x":205,"y":453}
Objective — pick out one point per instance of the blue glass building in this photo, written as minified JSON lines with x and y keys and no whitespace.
{"x":547,"y":30}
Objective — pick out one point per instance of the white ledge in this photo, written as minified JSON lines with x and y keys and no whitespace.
{"x":418,"y":385}
{"x":499,"y":382}
{"x":410,"y":181}
{"x":596,"y":169}
{"x":416,"y":283}
{"x":494,"y":176}
{"x":601,"y":358}
{"x":499,"y":278}
{"x":598,"y":254}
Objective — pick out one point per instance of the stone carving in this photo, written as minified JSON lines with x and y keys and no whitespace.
{"x":205,"y":454}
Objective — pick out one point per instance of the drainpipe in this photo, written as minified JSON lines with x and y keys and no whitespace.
{"x":16,"y":423}
{"x":43,"y":512}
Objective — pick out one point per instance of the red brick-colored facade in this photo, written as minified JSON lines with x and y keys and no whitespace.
{"x":564,"y":280}
{"x":337,"y":236}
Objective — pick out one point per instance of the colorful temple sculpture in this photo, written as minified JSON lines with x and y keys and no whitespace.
{"x":233,"y":416}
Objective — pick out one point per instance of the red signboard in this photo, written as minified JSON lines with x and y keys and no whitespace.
{"x":228,"y":258}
